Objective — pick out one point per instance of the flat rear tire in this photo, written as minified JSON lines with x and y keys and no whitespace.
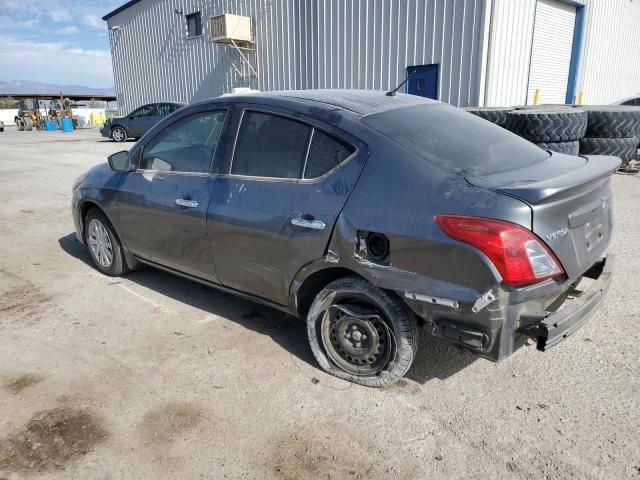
{"x":361,"y":333}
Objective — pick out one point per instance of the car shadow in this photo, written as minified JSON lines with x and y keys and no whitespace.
{"x":435,"y":359}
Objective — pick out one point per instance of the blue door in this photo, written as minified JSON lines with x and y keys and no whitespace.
{"x":423,"y":80}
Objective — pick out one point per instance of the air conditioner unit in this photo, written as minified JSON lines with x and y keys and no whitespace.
{"x":228,"y":28}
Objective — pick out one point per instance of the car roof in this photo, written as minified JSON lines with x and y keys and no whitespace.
{"x":620,"y":102}
{"x":361,"y":102}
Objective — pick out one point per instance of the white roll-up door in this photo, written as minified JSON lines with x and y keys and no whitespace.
{"x":551,"y":51}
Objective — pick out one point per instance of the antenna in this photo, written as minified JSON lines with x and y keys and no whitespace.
{"x":393,"y":92}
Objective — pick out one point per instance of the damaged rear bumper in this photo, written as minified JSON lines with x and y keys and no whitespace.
{"x":553,"y":327}
{"x":500,"y":320}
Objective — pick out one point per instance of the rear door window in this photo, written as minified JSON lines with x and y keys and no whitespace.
{"x":325,"y":153}
{"x":146,"y":111}
{"x":456,"y":141}
{"x":165,"y":109}
{"x":186,"y":145}
{"x":270,"y":146}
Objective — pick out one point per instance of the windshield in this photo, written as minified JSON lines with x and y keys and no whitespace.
{"x":455,"y":140}
{"x":54,"y":105}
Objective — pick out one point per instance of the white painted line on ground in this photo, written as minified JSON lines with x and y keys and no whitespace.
{"x":136,"y":294}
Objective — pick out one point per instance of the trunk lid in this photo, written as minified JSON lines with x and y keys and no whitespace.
{"x":570,"y":201}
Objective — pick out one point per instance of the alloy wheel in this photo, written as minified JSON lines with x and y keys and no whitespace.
{"x":100,"y":243}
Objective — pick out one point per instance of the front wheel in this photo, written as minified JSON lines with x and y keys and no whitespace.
{"x":104,"y":246}
{"x":361,"y":333}
{"x":118,"y":134}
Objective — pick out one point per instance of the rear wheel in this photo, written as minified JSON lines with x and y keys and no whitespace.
{"x":28,"y":124}
{"x":361,"y":333}
{"x":104,"y":246}
{"x":118,"y":134}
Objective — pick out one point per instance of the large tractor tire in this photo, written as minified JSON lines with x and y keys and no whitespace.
{"x":625,"y":148}
{"x":497,"y":115}
{"x":613,"y":121}
{"x":548,"y":125}
{"x":568,"y":148}
{"x":20,"y":124}
{"x":28,"y":124}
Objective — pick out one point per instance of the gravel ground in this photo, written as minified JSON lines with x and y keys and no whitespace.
{"x":152,"y":376}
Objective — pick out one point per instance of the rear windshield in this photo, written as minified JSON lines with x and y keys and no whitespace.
{"x":456,"y":141}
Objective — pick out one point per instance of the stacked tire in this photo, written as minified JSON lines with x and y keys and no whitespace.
{"x":497,"y":115}
{"x":558,"y":129}
{"x":612,"y":130}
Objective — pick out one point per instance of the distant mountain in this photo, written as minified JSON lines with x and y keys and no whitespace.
{"x":26,"y":86}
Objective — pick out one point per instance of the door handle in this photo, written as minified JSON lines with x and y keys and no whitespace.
{"x":183,"y":202}
{"x":301,"y":221}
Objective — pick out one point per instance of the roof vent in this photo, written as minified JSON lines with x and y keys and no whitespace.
{"x":228,"y":28}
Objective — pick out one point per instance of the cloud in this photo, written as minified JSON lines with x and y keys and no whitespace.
{"x":59,"y":62}
{"x":8,"y":23}
{"x":68,"y":30}
{"x":59,"y":15}
{"x":92,"y":20}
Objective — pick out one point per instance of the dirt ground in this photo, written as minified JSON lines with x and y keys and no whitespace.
{"x":152,"y":376}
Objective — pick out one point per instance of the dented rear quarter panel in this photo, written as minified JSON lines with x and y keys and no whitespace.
{"x":398,"y":195}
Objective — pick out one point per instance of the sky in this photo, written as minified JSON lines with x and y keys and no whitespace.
{"x":56,"y":41}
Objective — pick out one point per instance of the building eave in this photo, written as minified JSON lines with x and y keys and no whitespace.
{"x":120,"y":9}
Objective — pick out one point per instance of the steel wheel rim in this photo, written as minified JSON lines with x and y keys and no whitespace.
{"x":118,"y":134}
{"x":362,"y":351}
{"x":100,"y":243}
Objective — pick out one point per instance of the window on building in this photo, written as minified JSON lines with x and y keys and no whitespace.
{"x":325,"y":153}
{"x":194,"y":24}
{"x":186,"y":145}
{"x":270,"y":146}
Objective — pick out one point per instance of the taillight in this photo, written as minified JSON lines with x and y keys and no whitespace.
{"x":516,"y":252}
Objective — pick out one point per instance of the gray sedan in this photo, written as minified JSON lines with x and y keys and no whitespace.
{"x":138,"y":122}
{"x":367,"y":215}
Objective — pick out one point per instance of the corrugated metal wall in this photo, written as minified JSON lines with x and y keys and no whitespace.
{"x":610,"y":64}
{"x":300,"y":44}
{"x":509,"y":52}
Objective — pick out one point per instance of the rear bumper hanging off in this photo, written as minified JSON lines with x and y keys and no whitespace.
{"x":553,"y":327}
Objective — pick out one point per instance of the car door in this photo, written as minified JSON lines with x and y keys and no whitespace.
{"x":141,"y":120}
{"x":161,"y":206}
{"x":274,"y":210}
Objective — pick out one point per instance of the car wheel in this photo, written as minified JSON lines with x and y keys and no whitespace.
{"x":118,"y":134}
{"x":361,"y":333}
{"x":104,"y":246}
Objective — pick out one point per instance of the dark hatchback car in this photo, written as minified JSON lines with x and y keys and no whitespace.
{"x":367,"y":215}
{"x":138,"y":122}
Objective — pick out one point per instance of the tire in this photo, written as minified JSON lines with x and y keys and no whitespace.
{"x":385,"y":361}
{"x":95,"y":237}
{"x":613,"y":121}
{"x":20,"y":125}
{"x":118,"y":134}
{"x":28,"y":124}
{"x":625,"y":148}
{"x":568,"y":148}
{"x":548,"y":125}
{"x":496,"y":115}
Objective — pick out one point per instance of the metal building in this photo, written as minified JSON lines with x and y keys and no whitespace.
{"x":464,"y":52}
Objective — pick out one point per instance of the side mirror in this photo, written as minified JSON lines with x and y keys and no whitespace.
{"x":120,"y":161}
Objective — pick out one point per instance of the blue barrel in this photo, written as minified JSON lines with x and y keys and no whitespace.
{"x":50,"y":125}
{"x":67,"y":124}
